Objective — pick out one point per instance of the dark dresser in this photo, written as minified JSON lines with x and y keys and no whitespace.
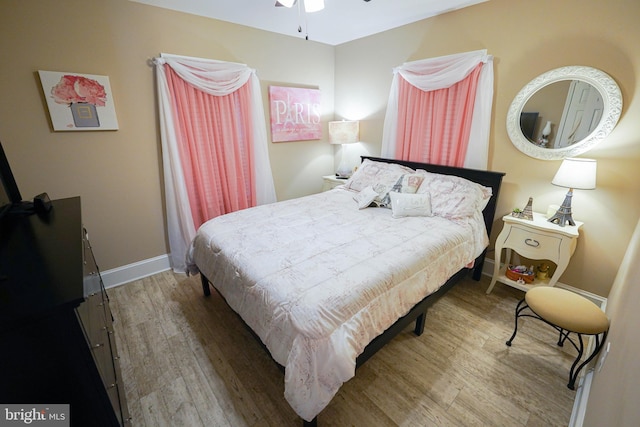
{"x":57,"y":344}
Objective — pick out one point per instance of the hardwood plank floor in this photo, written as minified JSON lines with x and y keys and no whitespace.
{"x":188,"y":360}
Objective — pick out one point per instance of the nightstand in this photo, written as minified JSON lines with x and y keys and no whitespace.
{"x":331,"y":181}
{"x":538,"y":239}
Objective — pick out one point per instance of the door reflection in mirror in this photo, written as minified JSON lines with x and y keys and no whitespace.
{"x":573,"y":107}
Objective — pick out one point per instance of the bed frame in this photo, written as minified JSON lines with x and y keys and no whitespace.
{"x":419,"y":311}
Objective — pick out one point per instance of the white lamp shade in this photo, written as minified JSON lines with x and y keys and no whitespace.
{"x":313,"y":5}
{"x":576,"y":173}
{"x":344,"y":132}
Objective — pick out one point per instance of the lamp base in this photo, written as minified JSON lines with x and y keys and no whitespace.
{"x":344,"y":171}
{"x":563,"y":215}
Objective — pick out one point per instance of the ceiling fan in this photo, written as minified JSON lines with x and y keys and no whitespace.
{"x":309,"y":5}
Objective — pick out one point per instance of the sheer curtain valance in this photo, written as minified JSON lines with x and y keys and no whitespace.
{"x":439,"y":73}
{"x":186,"y":134}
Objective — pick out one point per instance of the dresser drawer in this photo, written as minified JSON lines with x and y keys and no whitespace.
{"x":533,"y":245}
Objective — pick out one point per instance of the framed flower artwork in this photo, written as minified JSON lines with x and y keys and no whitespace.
{"x":78,"y":101}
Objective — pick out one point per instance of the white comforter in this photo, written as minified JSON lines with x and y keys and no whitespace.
{"x":317,"y":279}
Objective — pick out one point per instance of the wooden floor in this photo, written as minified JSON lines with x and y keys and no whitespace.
{"x":188,"y":360}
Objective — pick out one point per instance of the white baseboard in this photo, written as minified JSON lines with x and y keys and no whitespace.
{"x":487,"y":269}
{"x":138,"y":270}
{"x":580,"y":402}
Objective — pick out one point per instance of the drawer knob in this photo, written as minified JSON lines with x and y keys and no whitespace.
{"x":532,"y":242}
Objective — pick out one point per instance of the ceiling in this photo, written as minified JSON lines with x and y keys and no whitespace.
{"x":339,"y":22}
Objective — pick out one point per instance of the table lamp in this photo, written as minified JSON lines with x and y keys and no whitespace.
{"x":545,"y":134}
{"x":573,"y":173}
{"x":344,"y":132}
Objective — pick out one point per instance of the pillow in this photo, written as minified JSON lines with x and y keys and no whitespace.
{"x":366,"y":197}
{"x":407,"y":204}
{"x":407,"y":183}
{"x":376,"y":174}
{"x":453,"y":196}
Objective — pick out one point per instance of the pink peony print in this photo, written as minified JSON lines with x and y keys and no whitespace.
{"x":72,"y":88}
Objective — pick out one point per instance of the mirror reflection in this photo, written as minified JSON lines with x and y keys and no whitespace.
{"x":561,"y":114}
{"x":564,"y":112}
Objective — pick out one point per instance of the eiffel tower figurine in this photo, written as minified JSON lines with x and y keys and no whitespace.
{"x":527,"y":213}
{"x":563,"y":214}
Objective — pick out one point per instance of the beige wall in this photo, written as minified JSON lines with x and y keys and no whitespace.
{"x":527,"y":41}
{"x":118,"y":174}
{"x":613,"y":400}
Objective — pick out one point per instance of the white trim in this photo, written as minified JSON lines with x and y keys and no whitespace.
{"x":580,"y":402}
{"x":128,"y":273}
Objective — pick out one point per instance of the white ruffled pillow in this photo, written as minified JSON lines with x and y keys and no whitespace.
{"x":382,"y":176}
{"x":454,"y":197}
{"x":408,"y":204}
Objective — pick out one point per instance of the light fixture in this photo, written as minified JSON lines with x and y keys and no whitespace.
{"x":309,"y":5}
{"x":344,"y":132}
{"x":313,"y":5}
{"x":545,"y":134}
{"x":573,"y":173}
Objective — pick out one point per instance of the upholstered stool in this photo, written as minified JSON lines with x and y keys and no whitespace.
{"x":568,"y":313}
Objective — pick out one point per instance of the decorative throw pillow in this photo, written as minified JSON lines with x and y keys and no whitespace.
{"x":376,"y":174}
{"x":366,"y":197}
{"x":408,"y":204}
{"x":407,"y":183}
{"x":453,"y":196}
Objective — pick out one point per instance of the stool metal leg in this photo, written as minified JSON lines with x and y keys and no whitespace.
{"x":573,"y":374}
{"x":563,"y":337}
{"x":522,"y":305}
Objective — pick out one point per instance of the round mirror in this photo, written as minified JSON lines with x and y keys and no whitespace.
{"x":564,"y":112}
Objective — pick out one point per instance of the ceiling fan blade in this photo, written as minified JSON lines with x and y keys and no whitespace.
{"x":285,"y":3}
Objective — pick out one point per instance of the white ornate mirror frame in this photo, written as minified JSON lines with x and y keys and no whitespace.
{"x":612,"y":100}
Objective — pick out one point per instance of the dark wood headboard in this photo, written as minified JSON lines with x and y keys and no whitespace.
{"x":485,"y":178}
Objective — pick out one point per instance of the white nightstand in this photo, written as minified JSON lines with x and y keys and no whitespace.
{"x":331,"y":181}
{"x":537,"y":239}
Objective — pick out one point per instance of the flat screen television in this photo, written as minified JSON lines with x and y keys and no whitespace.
{"x":528,"y":124}
{"x":10,"y":197}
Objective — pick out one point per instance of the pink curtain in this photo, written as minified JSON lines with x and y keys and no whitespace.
{"x":434,"y":126}
{"x":215,"y":144}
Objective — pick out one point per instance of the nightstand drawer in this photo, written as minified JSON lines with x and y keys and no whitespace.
{"x":533,"y":245}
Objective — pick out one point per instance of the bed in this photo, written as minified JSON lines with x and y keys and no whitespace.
{"x":325,"y":280}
